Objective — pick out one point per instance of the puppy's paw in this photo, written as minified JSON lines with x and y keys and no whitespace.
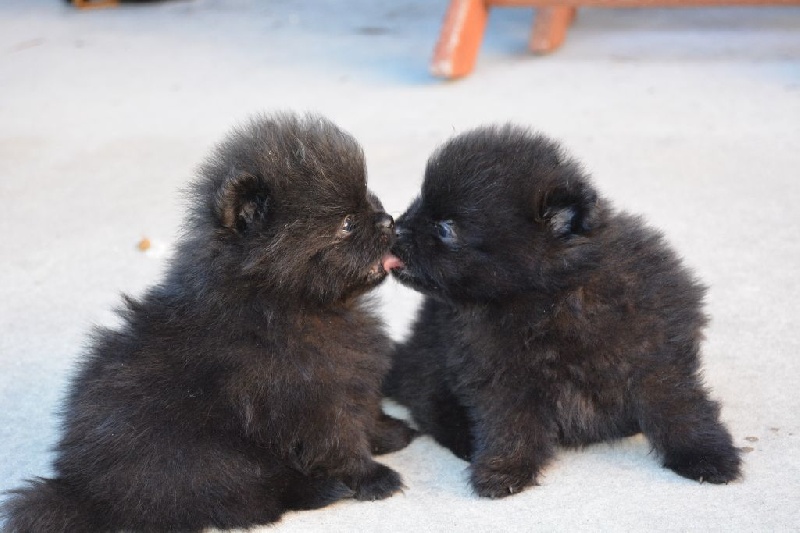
{"x":314,"y":493}
{"x":391,"y":435}
{"x":704,"y":466}
{"x":499,"y":481}
{"x":379,"y":483}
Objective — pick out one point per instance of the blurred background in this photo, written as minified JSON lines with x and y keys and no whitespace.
{"x":690,"y":117}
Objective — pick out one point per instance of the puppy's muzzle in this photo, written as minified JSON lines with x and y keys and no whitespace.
{"x":385,"y":223}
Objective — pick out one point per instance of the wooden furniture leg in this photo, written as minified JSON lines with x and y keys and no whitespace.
{"x":93,"y":4}
{"x":460,"y":39}
{"x":465,"y":22}
{"x":550,"y":27}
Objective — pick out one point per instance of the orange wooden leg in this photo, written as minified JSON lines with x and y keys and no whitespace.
{"x":460,"y":39}
{"x":92,"y":4}
{"x":550,"y":28}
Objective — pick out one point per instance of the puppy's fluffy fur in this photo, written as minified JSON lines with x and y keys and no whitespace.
{"x":248,"y":381}
{"x":548,"y":319}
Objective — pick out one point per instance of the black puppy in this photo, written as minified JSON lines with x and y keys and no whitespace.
{"x":248,"y":381}
{"x":548,"y":319}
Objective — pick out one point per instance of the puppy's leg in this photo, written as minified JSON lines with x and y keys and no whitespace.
{"x":340,"y":448}
{"x":369,"y":479}
{"x":683,"y":425}
{"x":418,"y":379}
{"x":390,"y":435}
{"x":514,"y":438}
{"x":449,"y":423}
{"x":196,"y":487}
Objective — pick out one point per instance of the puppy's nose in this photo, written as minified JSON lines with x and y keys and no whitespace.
{"x":385,"y":222}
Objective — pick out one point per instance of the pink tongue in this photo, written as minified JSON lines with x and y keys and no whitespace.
{"x":391,"y":262}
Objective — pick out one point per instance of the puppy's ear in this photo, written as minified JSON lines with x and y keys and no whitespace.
{"x":241,"y":201}
{"x":568,"y":208}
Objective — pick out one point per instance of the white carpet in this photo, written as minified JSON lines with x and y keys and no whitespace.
{"x":691,"y":117}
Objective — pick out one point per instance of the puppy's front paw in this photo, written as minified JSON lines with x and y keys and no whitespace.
{"x":499,"y":481}
{"x":703,"y":466}
{"x":391,"y":435}
{"x":381,"y":482}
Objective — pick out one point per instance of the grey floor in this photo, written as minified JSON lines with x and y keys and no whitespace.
{"x":690,"y":117}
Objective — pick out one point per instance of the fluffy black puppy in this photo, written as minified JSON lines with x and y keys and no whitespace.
{"x":248,"y":381}
{"x":548,"y":319}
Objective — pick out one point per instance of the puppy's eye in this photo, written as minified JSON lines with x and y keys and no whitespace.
{"x":445,"y":231}
{"x":347,"y":225}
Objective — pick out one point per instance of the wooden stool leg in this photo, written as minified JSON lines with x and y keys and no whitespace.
{"x":460,"y":39}
{"x":550,"y":28}
{"x":93,"y":4}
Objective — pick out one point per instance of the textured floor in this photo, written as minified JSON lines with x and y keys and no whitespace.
{"x":690,"y":117}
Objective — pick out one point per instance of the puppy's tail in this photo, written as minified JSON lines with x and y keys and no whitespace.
{"x":46,"y":505}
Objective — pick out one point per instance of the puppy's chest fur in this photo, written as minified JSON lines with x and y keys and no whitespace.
{"x":348,"y":343}
{"x":553,"y":351}
{"x":324,"y":360}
